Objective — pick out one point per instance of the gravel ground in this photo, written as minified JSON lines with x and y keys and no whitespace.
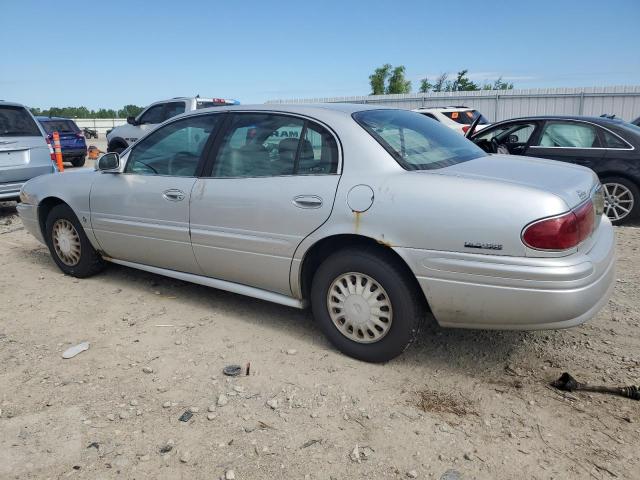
{"x":457,"y":405}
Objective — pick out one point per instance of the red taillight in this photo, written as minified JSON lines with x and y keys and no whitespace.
{"x":562,"y":232}
{"x":465,"y":128}
{"x":52,"y":154}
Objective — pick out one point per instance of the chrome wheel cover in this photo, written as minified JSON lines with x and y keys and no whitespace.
{"x":66,"y":242}
{"x":618,"y":201}
{"x":359,"y":307}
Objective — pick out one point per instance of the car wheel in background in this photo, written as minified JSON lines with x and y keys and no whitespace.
{"x":621,"y":199}
{"x":366,"y":304}
{"x":78,"y":162}
{"x":69,"y":245}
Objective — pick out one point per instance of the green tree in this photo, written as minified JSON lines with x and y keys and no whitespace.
{"x":397,"y":82}
{"x":440,"y":84}
{"x":462,"y":83}
{"x":498,"y":84}
{"x":425,"y":85}
{"x":378,"y":79}
{"x":129,"y":111}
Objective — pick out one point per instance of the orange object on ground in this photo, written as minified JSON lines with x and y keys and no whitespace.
{"x":58,"y":151}
{"x":93,"y":152}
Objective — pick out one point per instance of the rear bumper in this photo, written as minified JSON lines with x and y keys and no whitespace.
{"x":516,"y":293}
{"x":79,"y":152}
{"x":10,"y":191}
{"x":29,"y":216}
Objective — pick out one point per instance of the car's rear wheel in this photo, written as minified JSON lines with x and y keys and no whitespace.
{"x":78,"y":162}
{"x":366,"y":304}
{"x":69,"y":245}
{"x":621,"y":199}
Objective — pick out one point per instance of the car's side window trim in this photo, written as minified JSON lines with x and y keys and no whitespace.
{"x":203,"y":156}
{"x":597,"y":129}
{"x":226,"y":124}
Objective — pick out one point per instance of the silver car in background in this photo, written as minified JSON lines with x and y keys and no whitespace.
{"x":373,"y":216}
{"x":24,"y":153}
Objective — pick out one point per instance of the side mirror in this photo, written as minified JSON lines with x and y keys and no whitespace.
{"x":513,"y":139}
{"x":109,"y":162}
{"x":131,"y":120}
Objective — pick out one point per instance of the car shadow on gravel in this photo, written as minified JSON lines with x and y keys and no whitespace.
{"x":7,"y":209}
{"x":468,"y":350}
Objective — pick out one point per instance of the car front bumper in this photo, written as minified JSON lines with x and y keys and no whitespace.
{"x":516,"y":293}
{"x":29,"y":216}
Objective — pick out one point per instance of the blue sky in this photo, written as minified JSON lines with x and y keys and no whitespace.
{"x":111,"y":53}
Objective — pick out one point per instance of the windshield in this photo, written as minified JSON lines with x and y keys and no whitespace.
{"x":60,"y":126}
{"x":416,"y":142}
{"x":16,"y":122}
{"x":466,"y":117}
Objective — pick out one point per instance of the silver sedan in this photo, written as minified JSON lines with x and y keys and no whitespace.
{"x":372,"y":216}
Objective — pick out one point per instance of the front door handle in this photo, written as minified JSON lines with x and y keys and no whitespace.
{"x":307,"y":201}
{"x":173,"y":195}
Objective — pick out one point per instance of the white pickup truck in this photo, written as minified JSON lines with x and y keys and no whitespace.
{"x":121,"y":137}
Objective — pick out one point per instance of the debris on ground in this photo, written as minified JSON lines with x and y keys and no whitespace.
{"x":232,"y":370}
{"x":567,"y":383}
{"x":186,"y":416}
{"x":75,"y":350}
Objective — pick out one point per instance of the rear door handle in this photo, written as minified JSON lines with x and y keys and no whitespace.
{"x":307,"y":201}
{"x":173,"y":195}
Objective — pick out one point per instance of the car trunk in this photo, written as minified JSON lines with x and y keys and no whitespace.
{"x":22,"y":158}
{"x":570,"y":182}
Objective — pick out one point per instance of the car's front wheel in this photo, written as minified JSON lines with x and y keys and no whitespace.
{"x":366,"y":304}
{"x":69,"y":245}
{"x":621,"y":199}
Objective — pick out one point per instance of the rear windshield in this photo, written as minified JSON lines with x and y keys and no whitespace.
{"x":416,"y":142}
{"x":60,"y":126}
{"x":16,"y":122}
{"x":466,"y":117}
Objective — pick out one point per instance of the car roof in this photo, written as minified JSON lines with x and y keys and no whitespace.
{"x":452,"y":108}
{"x":10,"y":104}
{"x":301,"y":108}
{"x":44,"y":118}
{"x":584,"y":118}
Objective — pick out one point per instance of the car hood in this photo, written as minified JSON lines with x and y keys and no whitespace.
{"x":572,"y":183}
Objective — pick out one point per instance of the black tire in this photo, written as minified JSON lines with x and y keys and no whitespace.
{"x":406,"y":302}
{"x":90,"y":262}
{"x":78,"y":162}
{"x":635,"y":194}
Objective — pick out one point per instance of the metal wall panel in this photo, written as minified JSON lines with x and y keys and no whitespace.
{"x":623,"y":101}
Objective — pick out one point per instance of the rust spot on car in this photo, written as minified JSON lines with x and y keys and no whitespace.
{"x":356,"y":221}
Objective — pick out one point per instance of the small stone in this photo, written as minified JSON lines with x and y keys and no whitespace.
{"x":145,"y":458}
{"x":178,"y":342}
{"x":249,"y":428}
{"x":412,"y":474}
{"x":451,"y":475}
{"x":166,"y":405}
{"x":212,"y":408}
{"x":292,"y":351}
{"x":211,"y":416}
{"x":133,"y":403}
{"x":185,"y":457}
{"x":194,"y":409}
{"x":273,"y":403}
{"x":147,"y":369}
{"x":222,"y":400}
{"x":138,"y":413}
{"x":532,"y":402}
{"x":123,"y":415}
{"x":229,"y":475}
{"x":467,"y":456}
{"x":314,"y":415}
{"x":238,"y":388}
{"x":111,"y":417}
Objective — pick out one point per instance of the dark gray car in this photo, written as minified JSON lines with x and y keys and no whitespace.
{"x":24,"y":153}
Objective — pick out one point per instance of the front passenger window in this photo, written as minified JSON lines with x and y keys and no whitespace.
{"x":174,"y":149}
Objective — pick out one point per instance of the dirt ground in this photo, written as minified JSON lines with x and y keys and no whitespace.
{"x":458,"y":405}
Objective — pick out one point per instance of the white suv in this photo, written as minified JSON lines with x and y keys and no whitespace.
{"x":121,"y":137}
{"x":457,"y":117}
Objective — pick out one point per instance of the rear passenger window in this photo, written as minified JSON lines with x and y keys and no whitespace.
{"x":569,"y":135}
{"x":612,"y":141}
{"x":267,"y":145}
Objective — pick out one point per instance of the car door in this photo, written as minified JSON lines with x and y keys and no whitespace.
{"x":142,"y":214}
{"x":272,"y":181}
{"x":569,"y":141}
{"x":513,"y":136}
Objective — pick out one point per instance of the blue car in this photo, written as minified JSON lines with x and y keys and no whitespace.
{"x":72,"y":143}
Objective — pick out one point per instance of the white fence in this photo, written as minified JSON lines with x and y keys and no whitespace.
{"x":101,"y":125}
{"x":623,"y":101}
